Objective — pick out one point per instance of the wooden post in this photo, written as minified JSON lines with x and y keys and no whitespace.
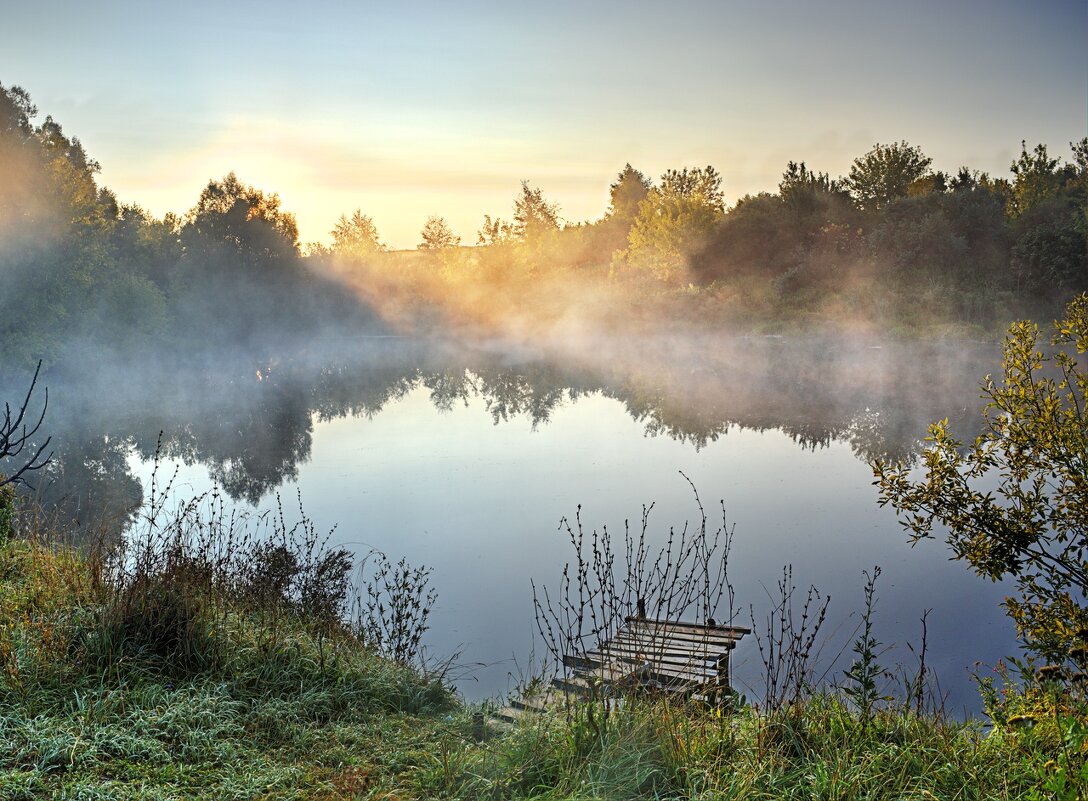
{"x":723,"y":686}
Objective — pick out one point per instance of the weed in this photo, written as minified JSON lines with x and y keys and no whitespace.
{"x":865,"y":670}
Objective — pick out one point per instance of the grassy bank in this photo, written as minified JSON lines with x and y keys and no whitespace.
{"x":162,"y":684}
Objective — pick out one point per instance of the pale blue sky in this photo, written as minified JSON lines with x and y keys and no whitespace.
{"x":418,"y":108}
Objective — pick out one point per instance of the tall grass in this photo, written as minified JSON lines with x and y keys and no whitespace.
{"x":209,"y":654}
{"x":214,"y":657}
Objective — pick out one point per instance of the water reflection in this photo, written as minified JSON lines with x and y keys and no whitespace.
{"x":465,"y":460}
{"x":251,"y":425}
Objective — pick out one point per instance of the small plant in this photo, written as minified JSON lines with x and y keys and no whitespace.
{"x":7,"y":512}
{"x":789,"y":648}
{"x":865,"y":670}
{"x":392,"y":610}
{"x":688,"y":575}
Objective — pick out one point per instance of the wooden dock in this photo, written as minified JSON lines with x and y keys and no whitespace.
{"x":664,"y":655}
{"x":644,"y":655}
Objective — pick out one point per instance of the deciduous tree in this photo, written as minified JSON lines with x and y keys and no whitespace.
{"x":437,"y":235}
{"x":356,"y":237}
{"x":1014,"y":502}
{"x":885,"y":173}
{"x":534,"y":217}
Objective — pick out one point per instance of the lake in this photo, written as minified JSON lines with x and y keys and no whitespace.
{"x":467,"y":459}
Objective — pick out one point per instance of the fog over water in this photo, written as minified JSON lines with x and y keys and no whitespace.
{"x":466,"y":459}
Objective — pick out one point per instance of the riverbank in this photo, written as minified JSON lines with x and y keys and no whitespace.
{"x":169,"y":694}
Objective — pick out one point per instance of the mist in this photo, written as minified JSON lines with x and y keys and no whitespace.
{"x":826,"y":312}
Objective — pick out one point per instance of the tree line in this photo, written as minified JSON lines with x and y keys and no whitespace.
{"x":891,"y":243}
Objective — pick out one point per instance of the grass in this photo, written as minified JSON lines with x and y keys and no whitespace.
{"x":274,"y":703}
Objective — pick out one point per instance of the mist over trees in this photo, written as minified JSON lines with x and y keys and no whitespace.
{"x":85,"y":276}
{"x":895,"y":247}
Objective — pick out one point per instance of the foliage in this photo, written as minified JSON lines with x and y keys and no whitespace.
{"x":1041,"y":715}
{"x":626,"y":193}
{"x":85,"y":274}
{"x":437,"y":235}
{"x":701,"y":184}
{"x":1032,"y":528}
{"x":534,"y":217}
{"x":865,"y":670}
{"x":668,"y":228}
{"x":231,"y":219}
{"x":1036,"y":178}
{"x":7,"y":513}
{"x":355,"y":237}
{"x":886,"y":173}
{"x":801,"y":189}
{"x":392,"y":611}
{"x":494,"y":232}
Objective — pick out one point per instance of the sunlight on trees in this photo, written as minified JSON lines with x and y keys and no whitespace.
{"x":437,"y":235}
{"x":534,"y":217}
{"x":626,"y":193}
{"x":355,"y":237}
{"x":886,"y":173}
{"x":494,"y":232}
{"x":675,"y":218}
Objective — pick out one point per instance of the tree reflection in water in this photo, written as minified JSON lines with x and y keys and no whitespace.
{"x":252,"y":425}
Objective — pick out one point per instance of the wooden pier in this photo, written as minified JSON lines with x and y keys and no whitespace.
{"x":644,"y":655}
{"x":662,"y":655}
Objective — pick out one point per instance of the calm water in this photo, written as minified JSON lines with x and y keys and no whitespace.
{"x":466,"y":461}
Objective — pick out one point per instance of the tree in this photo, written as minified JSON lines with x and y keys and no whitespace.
{"x":667,"y":230}
{"x":494,"y":232}
{"x":355,"y":238}
{"x":626,"y":193}
{"x":675,"y":220}
{"x":1033,"y":527}
{"x":701,"y":184}
{"x":1036,"y":178}
{"x":533,"y":215}
{"x":437,"y":235}
{"x":886,"y":173}
{"x":802,"y":190}
{"x":233,"y":219}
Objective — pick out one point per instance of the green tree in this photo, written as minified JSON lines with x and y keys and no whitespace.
{"x":355,"y":237}
{"x":674,"y":221}
{"x":437,"y":235}
{"x":231,"y":219}
{"x":1033,"y":527}
{"x":1036,"y":178}
{"x":700,"y":184}
{"x":802,"y":190}
{"x":886,"y":173}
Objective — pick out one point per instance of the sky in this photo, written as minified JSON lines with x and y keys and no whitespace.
{"x":410,"y":109}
